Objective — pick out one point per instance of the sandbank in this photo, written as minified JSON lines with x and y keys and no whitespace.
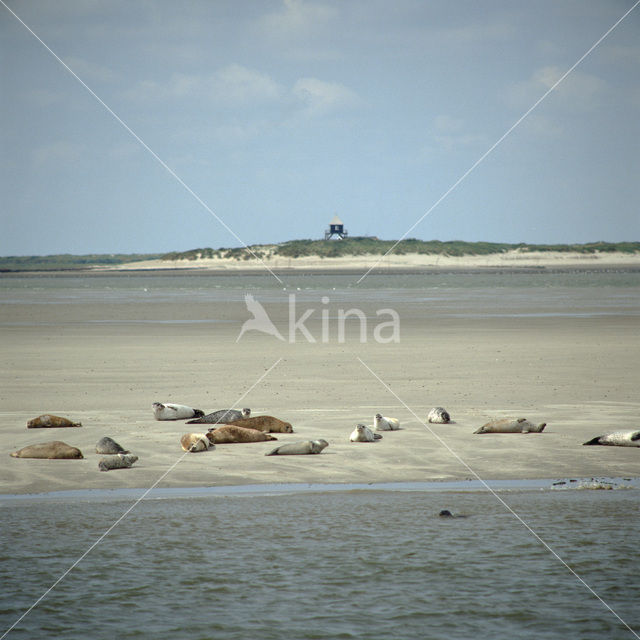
{"x":104,"y":365}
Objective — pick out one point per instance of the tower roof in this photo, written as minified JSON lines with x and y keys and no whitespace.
{"x":336,"y":220}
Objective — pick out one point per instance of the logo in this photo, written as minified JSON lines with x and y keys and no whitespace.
{"x":383,"y":332}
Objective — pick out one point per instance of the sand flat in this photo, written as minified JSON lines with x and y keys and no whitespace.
{"x":577,"y":374}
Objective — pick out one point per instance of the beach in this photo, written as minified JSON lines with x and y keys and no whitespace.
{"x":567,"y":359}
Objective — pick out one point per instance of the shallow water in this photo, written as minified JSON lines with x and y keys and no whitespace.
{"x":342,"y":564}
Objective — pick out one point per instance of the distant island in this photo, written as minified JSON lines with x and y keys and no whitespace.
{"x":321,"y":249}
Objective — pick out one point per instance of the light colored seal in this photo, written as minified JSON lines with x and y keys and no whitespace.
{"x":222,"y":416}
{"x":438,"y":415}
{"x":362,"y":433}
{"x":268,"y":424}
{"x":170,"y":411}
{"x":121,"y":461}
{"x":299,"y":448}
{"x":618,"y":439}
{"x":511,"y":425}
{"x":46,"y":420}
{"x":194,"y":442}
{"x":107,"y":446}
{"x":230,"y":433}
{"x":56,"y":450}
{"x":382,"y":423}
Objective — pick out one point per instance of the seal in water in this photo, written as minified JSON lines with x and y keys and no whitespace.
{"x":194,"y":442}
{"x":618,"y":439}
{"x":438,"y":415}
{"x":56,"y":450}
{"x":120,"y":461}
{"x":264,"y":423}
{"x":299,"y":448}
{"x":230,"y":433}
{"x":382,"y":423}
{"x":362,"y":433}
{"x":445,"y":513}
{"x":108,"y":446}
{"x":222,"y":416}
{"x":511,"y":425}
{"x":47,"y":420}
{"x":170,"y":411}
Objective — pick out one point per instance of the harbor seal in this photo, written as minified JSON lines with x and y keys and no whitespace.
{"x":56,"y":450}
{"x":120,"y":461}
{"x":362,"y":433}
{"x":268,"y":424}
{"x":46,"y":420}
{"x":382,"y":423}
{"x":438,"y":415}
{"x":618,"y":439}
{"x":299,"y":448}
{"x":194,"y":442}
{"x":511,"y":425}
{"x":222,"y":416}
{"x":108,"y":446}
{"x":170,"y":411}
{"x":230,"y":433}
{"x":445,"y":513}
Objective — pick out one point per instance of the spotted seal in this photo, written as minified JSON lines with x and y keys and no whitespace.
{"x":618,"y":439}
{"x":382,"y":423}
{"x":107,"y":446}
{"x":56,"y":450}
{"x":230,"y":433}
{"x":46,"y":420}
{"x":194,"y":442}
{"x":268,"y":424}
{"x":511,"y":425}
{"x":121,"y":461}
{"x":222,"y":416}
{"x":170,"y":411}
{"x":299,"y":448}
{"x":438,"y":415}
{"x":362,"y":433}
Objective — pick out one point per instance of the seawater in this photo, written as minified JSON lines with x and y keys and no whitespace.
{"x":333,"y":565}
{"x":473,"y":294}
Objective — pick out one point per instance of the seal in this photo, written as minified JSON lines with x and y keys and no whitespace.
{"x":194,"y":442}
{"x":170,"y":411}
{"x":108,"y":446}
{"x":46,"y":420}
{"x":381,"y":423}
{"x":445,"y":513}
{"x":120,"y":461}
{"x":438,"y":415}
{"x":511,"y":425}
{"x":230,"y":433}
{"x":268,"y":424}
{"x":299,"y":448}
{"x":362,"y":433}
{"x":618,"y":439}
{"x":222,"y":416}
{"x":56,"y":450}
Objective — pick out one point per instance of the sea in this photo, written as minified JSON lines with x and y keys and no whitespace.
{"x":545,"y":560}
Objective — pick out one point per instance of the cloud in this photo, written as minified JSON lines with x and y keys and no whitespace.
{"x":320,"y":97}
{"x":578,"y":91}
{"x":88,"y":71}
{"x":233,"y":85}
{"x":297,"y":18}
{"x":449,"y":134}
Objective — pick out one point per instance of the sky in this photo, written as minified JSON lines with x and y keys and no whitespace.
{"x":218,"y":123}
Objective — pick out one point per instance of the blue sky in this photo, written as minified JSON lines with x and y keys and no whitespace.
{"x":279,"y":114}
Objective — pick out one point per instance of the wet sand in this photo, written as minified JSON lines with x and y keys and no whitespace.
{"x":577,"y":374}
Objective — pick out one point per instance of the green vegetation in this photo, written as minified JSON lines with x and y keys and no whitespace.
{"x":300,"y":248}
{"x":65,"y":261}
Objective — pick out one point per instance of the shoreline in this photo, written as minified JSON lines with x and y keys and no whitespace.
{"x":294,"y":488}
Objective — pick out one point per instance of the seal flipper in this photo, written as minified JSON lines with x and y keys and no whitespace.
{"x":635,"y":436}
{"x":198,"y":413}
{"x":595,"y":440}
